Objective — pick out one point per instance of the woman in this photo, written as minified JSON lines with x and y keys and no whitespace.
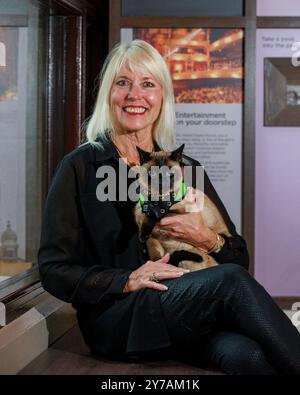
{"x":90,"y":255}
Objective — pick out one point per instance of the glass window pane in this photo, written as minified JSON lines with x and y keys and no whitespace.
{"x":23,"y":56}
{"x":183,"y":8}
{"x":278,"y":8}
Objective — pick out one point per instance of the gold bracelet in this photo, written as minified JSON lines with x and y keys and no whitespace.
{"x":218,"y":245}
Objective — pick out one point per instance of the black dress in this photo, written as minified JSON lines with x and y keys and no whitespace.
{"x":89,"y":248}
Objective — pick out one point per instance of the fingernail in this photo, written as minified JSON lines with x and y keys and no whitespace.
{"x":186,"y":270}
{"x":165,"y":288}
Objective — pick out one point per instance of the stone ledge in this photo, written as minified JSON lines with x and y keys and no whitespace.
{"x":26,"y":337}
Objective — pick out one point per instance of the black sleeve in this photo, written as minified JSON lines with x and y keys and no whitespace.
{"x":235,"y":248}
{"x":62,"y":273}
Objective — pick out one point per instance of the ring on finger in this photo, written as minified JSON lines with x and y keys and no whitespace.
{"x":154,"y":278}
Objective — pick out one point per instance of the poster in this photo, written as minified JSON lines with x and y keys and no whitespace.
{"x":207,"y":71}
{"x":277,"y":188}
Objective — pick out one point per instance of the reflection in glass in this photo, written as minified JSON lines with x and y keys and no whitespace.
{"x":22,"y":76}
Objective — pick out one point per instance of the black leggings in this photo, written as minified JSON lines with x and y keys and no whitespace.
{"x":223,"y":315}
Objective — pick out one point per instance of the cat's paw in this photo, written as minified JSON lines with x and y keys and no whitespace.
{"x":193,"y":266}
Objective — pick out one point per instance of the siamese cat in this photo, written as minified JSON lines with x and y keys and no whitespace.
{"x":163,"y":192}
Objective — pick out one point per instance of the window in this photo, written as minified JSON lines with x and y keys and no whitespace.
{"x":41,"y":112}
{"x":23,"y":58}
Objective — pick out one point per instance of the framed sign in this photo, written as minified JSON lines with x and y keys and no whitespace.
{"x":281,"y":92}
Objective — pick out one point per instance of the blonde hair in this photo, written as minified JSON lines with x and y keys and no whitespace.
{"x":137,"y":55}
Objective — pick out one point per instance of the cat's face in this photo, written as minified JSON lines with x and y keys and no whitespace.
{"x":161,"y":174}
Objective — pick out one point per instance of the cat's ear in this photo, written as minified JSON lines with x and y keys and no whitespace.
{"x":144,"y":155}
{"x":186,"y":161}
{"x":177,"y":154}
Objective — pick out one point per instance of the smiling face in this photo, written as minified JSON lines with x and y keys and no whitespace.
{"x":135,"y":101}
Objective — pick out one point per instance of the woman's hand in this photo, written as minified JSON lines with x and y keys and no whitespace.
{"x":150,"y":273}
{"x":188,"y":226}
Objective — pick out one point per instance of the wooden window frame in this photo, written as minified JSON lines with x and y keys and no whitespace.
{"x":79,"y":17}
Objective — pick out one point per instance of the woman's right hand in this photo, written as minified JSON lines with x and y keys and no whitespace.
{"x":160,"y":270}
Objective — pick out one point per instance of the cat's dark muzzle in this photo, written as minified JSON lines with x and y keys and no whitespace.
{"x":155,"y":210}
